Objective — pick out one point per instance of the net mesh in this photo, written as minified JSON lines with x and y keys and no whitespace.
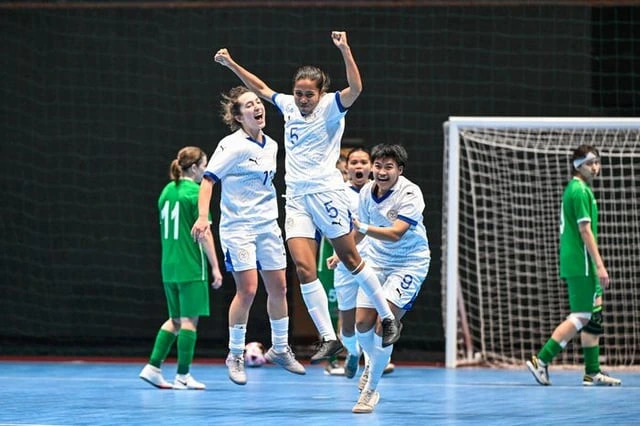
{"x":511,"y":297}
{"x":98,"y":96}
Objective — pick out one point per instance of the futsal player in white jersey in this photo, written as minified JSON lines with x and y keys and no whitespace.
{"x":244,"y":162}
{"x":358,"y":169}
{"x":390,"y":215}
{"x":314,"y":124}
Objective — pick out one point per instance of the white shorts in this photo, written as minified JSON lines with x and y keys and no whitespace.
{"x":327,"y":212}
{"x":346,"y":289}
{"x":264,"y":251}
{"x":401,"y":284}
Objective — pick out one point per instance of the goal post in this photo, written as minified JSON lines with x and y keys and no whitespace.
{"x":503,"y":180}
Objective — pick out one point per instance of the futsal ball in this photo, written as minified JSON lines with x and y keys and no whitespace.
{"x":254,"y":354}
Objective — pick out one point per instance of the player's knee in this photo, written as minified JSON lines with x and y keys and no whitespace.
{"x":246,"y":294}
{"x":595,"y":325}
{"x":579,"y":319}
{"x":306,"y":274}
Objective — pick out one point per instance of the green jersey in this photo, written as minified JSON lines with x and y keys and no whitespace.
{"x":578,"y":205}
{"x":182,"y":259}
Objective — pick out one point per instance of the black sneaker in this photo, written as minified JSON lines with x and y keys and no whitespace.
{"x":325,"y":350}
{"x":390,"y":331}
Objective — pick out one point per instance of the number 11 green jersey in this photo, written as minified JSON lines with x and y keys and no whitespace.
{"x":183,"y":259}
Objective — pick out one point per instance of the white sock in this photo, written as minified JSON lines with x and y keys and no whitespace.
{"x":280,"y":334}
{"x":379,"y":360}
{"x":366,"y":343}
{"x":237,"y":335}
{"x":368,"y":281}
{"x":317,"y":303}
{"x":351,"y":344}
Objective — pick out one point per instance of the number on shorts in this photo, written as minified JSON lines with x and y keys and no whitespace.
{"x":331,"y":211}
{"x":406,"y":281}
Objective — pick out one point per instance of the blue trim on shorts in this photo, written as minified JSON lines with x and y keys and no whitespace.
{"x":227,"y":261}
{"x":318,"y":236}
{"x":409,"y":304}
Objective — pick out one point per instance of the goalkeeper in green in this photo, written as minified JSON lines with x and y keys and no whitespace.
{"x":583,"y":270}
{"x":184,"y":270}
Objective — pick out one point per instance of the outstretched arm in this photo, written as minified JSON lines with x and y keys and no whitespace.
{"x":348,"y":95}
{"x":249,"y":79}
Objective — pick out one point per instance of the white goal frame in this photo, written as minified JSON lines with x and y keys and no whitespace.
{"x":452,"y":185}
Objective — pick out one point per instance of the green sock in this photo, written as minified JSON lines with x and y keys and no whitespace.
{"x":591,"y":359}
{"x":161,"y":348}
{"x":549,"y":351}
{"x":186,"y":347}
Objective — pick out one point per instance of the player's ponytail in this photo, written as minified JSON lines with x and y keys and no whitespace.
{"x":187,"y":157}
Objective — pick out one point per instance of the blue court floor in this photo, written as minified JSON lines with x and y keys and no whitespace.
{"x":78,"y":393}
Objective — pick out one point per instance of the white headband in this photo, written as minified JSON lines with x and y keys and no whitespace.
{"x":580,"y":161}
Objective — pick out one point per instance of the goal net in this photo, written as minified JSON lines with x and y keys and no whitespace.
{"x":503,"y":182}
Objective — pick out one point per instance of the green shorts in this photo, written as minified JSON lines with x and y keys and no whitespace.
{"x":188,"y":299}
{"x":582,"y":292}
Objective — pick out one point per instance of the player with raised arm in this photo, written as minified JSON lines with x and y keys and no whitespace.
{"x":244,"y":162}
{"x":390,"y":216}
{"x":313,"y":128}
{"x":184,"y":270}
{"x":584,"y":272}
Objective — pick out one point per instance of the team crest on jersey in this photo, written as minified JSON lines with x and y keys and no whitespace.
{"x":392,"y":215}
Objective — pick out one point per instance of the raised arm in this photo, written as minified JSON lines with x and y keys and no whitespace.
{"x":348,"y":95}
{"x":249,"y":79}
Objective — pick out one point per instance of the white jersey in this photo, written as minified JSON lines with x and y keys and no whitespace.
{"x":353,"y":196}
{"x":312,"y":144}
{"x":403,"y":201}
{"x":245,"y":167}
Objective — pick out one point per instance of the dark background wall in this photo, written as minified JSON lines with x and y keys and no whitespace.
{"x":96,"y":102}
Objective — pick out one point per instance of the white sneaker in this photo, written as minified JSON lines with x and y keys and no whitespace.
{"x":153,"y":376}
{"x":186,"y":381}
{"x":364,"y":378}
{"x":285,"y":359}
{"x":600,"y":379}
{"x":540,"y":373}
{"x":235,"y":364}
{"x":368,"y":399}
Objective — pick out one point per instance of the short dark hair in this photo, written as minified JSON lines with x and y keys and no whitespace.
{"x":395,"y":151}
